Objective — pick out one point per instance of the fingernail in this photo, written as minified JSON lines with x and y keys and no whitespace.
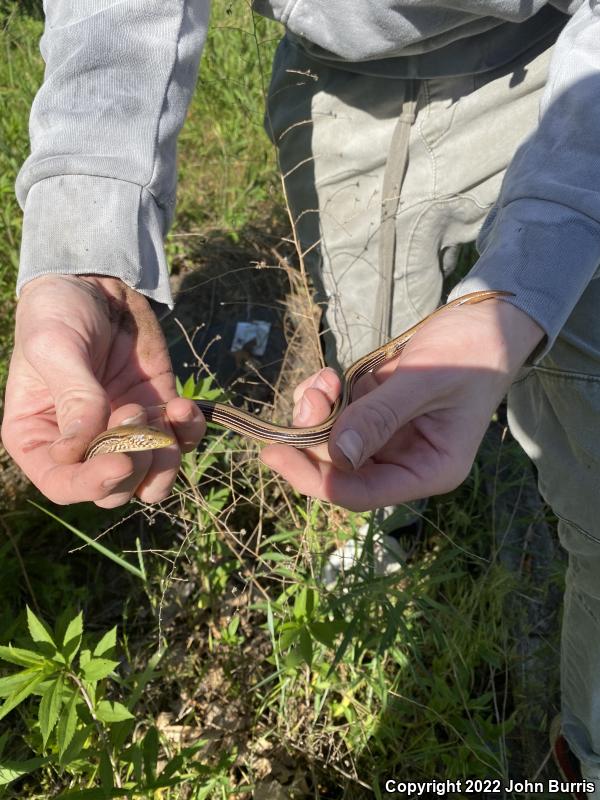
{"x":139,"y":417}
{"x":187,"y":417}
{"x":303,"y":412}
{"x":71,"y":429}
{"x":351,"y":445}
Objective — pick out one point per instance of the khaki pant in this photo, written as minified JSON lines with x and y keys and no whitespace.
{"x":348,"y":171}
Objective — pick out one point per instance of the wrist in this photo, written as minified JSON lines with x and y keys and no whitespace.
{"x":56,"y":290}
{"x":492,"y":336}
{"x":73,"y":278}
{"x":512,"y":333}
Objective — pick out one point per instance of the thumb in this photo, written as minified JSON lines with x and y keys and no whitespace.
{"x":370,"y":422}
{"x":81,"y":404}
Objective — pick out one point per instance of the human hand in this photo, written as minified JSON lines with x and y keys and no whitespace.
{"x":414,"y":426}
{"x":89,"y":354}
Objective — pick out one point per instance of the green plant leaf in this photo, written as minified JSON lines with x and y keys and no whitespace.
{"x":105,"y":770}
{"x":12,"y":683}
{"x":13,"y":700}
{"x":300,"y":603}
{"x":84,"y":657}
{"x":72,"y":638}
{"x":294,"y":658}
{"x":107,"y":642}
{"x":144,"y":678}
{"x":38,"y":630}
{"x":150,"y":754}
{"x":50,"y":708}
{"x":289,"y":633}
{"x":347,"y":638}
{"x":66,"y":725}
{"x":24,"y":658}
{"x":326,"y":632}
{"x":305,"y":646}
{"x":170,"y":783}
{"x":305,"y":603}
{"x":133,"y":756}
{"x":273,"y":555}
{"x":189,"y":387}
{"x":285,"y":572}
{"x":98,"y":668}
{"x":76,"y":745}
{"x":282,"y":536}
{"x":11,"y":770}
{"x":176,"y":763}
{"x":112,"y":712}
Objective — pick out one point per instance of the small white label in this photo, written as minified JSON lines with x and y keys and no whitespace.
{"x":246,"y":332}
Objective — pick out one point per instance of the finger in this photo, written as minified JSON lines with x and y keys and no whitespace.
{"x":315,"y":478}
{"x":315,"y":403}
{"x":186,"y":422}
{"x":158,"y":482}
{"x":326,"y":381}
{"x":295,"y":466}
{"x":120,"y":491}
{"x":159,"y":477}
{"x":154,"y":471}
{"x":154,"y":477}
{"x":312,"y":409}
{"x":373,"y":486}
{"x":77,"y":483}
{"x":30,"y":439}
{"x":366,"y":425}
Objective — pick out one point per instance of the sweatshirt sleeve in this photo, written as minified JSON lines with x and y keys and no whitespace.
{"x":541,"y":240}
{"x":98,"y":190}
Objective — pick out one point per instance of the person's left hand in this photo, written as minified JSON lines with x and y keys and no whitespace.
{"x":414,"y":426}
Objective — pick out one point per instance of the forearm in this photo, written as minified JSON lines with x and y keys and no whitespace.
{"x":98,"y":190}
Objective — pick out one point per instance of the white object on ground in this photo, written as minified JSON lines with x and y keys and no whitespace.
{"x":388,"y":556}
{"x":256,"y":331}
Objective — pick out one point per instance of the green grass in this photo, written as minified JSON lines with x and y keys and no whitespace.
{"x":263,"y":678}
{"x":223,"y":144}
{"x":21,"y":71}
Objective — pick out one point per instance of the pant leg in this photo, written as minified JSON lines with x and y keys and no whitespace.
{"x":554,"y":412}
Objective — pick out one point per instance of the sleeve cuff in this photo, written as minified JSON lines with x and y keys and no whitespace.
{"x":82,"y":224}
{"x":545,"y":254}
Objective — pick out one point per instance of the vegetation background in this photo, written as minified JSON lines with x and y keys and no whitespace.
{"x":195,"y":649}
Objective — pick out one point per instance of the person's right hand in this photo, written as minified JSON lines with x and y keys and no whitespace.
{"x":89,"y":354}
{"x":417,"y":421}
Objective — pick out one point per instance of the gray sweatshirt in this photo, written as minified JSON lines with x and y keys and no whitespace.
{"x":98,"y":190}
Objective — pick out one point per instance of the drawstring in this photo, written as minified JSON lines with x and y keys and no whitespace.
{"x":393,"y":178}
